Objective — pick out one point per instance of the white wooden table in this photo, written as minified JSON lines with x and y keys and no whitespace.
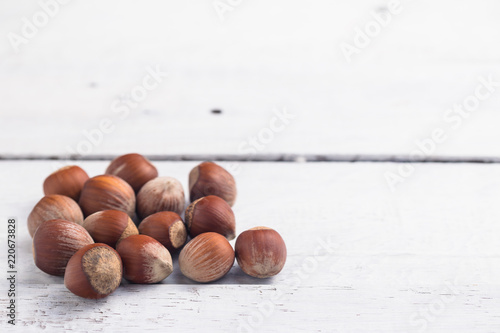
{"x":420,"y":255}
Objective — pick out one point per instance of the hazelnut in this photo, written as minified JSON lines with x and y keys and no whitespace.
{"x":261,"y":252}
{"x":55,"y":242}
{"x":165,"y":227}
{"x":209,"y":178}
{"x":145,"y":260}
{"x":160,"y":194}
{"x":67,"y":181}
{"x":107,"y":192}
{"x":206,"y":258}
{"x":94,"y":271}
{"x":54,"y":206}
{"x":210,"y":213}
{"x":135,"y":169}
{"x":110,"y":226}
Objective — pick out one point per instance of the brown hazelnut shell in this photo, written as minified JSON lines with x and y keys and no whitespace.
{"x":135,"y":169}
{"x":55,"y":242}
{"x":160,"y":194}
{"x":144,"y":259}
{"x":54,"y":206}
{"x":206,"y":258}
{"x":107,"y":192}
{"x":167,"y":228}
{"x":110,"y":226}
{"x":260,"y":252}
{"x":210,"y":214}
{"x":66,"y":181}
{"x":209,"y":178}
{"x":94,"y":271}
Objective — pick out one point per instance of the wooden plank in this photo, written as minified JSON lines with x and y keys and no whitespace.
{"x":361,"y":257}
{"x":251,"y":308}
{"x":396,"y":91}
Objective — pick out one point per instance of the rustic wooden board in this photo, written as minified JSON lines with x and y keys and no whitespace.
{"x":264,"y":56}
{"x":420,"y":255}
{"x":361,"y":257}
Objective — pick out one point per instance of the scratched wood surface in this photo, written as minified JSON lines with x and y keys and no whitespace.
{"x":83,"y":65}
{"x":421,"y":256}
{"x":361,"y":257}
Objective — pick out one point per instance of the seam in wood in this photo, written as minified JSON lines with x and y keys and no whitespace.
{"x":265,"y":158}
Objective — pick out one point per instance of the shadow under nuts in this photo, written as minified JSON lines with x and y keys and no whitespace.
{"x":55,"y":242}
{"x":110,"y":226}
{"x":144,"y":259}
{"x":160,"y":194}
{"x":206,"y":258}
{"x":107,"y":192}
{"x":261,"y":252}
{"x":135,"y":169}
{"x":67,"y":181}
{"x":209,"y":178}
{"x":52,"y":207}
{"x":94,"y":271}
{"x":210,"y":213}
{"x":167,"y":228}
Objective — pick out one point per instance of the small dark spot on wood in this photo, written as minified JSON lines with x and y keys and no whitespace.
{"x":216,"y":111}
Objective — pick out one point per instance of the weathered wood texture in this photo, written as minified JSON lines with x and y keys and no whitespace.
{"x":361,"y":257}
{"x":266,"y":55}
{"x":420,"y":256}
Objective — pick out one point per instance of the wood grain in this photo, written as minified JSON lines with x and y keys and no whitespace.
{"x":361,"y":258}
{"x":265,"y":56}
{"x":422,"y":257}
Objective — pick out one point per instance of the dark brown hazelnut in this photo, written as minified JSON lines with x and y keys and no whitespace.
{"x":144,"y":259}
{"x":94,"y":271}
{"x":210,"y":214}
{"x":135,"y":169}
{"x":107,"y":192}
{"x":167,"y":228}
{"x":209,"y":178}
{"x":55,"y":242}
{"x":110,"y":226}
{"x":66,"y":181}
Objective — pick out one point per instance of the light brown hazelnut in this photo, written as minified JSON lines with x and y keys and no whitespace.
{"x":206,"y":258}
{"x":160,"y":194}
{"x":261,"y":252}
{"x":54,"y":206}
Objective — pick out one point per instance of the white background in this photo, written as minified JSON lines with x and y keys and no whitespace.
{"x":414,"y":246}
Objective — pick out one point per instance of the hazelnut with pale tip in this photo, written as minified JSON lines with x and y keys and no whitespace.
{"x":260,"y":252}
{"x":145,"y":260}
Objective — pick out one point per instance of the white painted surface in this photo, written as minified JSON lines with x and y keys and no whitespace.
{"x":429,"y":250}
{"x":265,"y":55}
{"x":423,"y":258}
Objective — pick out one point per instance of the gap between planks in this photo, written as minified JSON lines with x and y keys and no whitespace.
{"x":266,"y":158}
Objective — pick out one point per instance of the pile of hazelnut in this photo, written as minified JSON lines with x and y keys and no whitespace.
{"x":84,"y":229}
